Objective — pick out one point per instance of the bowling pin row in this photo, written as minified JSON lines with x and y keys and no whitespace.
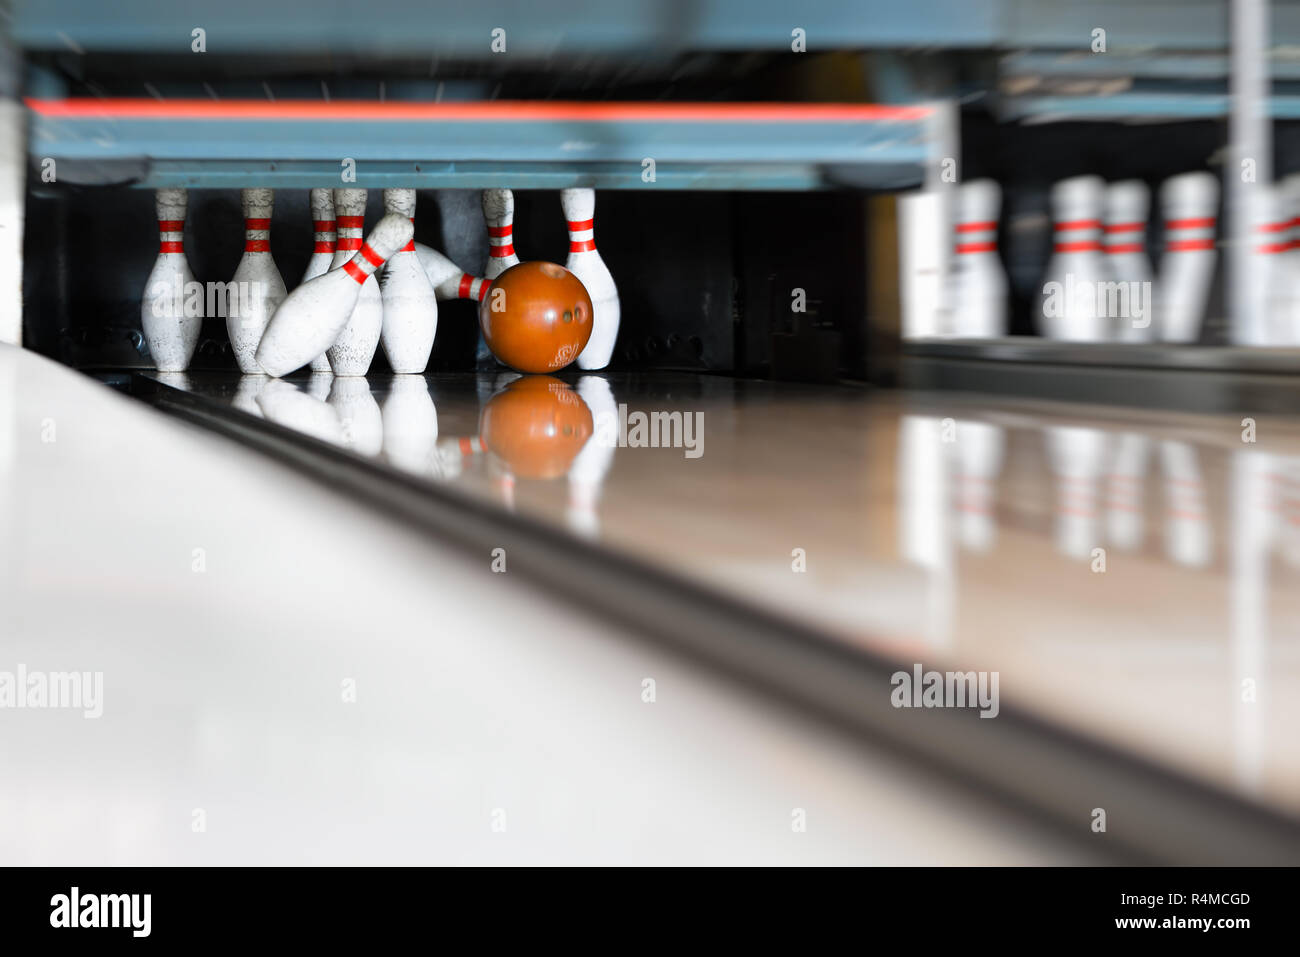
{"x":1098,"y":284}
{"x":340,"y":312}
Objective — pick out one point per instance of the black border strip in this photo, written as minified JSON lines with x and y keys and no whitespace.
{"x":1153,"y":815}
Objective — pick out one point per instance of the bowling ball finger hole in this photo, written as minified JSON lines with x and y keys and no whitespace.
{"x":552,"y":270}
{"x":579,"y":312}
{"x":568,"y":315}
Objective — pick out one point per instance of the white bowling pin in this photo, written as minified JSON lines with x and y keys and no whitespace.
{"x":1070,"y":306}
{"x":1291,"y":190}
{"x":316,"y":312}
{"x":256,"y":290}
{"x":410,"y":308}
{"x":1124,"y":491}
{"x":449,"y":281}
{"x":1127,"y":205}
{"x":1190,"y":204}
{"x":322,"y":256}
{"x":499,"y":214}
{"x":171,"y":334}
{"x":584,"y":261}
{"x":978,"y":289}
{"x":1274,"y":282}
{"x":353,"y":349}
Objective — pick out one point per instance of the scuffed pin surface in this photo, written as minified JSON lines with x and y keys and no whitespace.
{"x":316,"y":312}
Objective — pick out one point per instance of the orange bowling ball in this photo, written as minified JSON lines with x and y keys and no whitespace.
{"x":537,"y":425}
{"x":536,"y":317}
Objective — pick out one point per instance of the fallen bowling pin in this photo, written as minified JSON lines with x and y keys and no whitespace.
{"x":410,"y":307}
{"x":449,"y":281}
{"x":314,"y":314}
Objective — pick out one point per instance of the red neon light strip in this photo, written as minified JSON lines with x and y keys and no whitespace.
{"x":477,"y":111}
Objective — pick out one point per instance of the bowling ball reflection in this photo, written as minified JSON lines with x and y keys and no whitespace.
{"x":536,"y":317}
{"x":536,"y":425}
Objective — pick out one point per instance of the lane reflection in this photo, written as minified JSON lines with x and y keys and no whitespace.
{"x":1128,"y":573}
{"x":529,"y":428}
{"x":1194,"y":622}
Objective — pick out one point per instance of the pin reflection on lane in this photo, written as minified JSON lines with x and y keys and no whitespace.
{"x":1188,"y":525}
{"x":1125,"y":490}
{"x":530,"y":428}
{"x":359,"y":416}
{"x":592,"y":463}
{"x":285,"y":404}
{"x":410,"y":425}
{"x":247,"y":392}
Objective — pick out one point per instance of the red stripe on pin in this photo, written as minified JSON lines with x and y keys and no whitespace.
{"x":585,"y":246}
{"x":355,"y":271}
{"x":483,"y":288}
{"x":1203,"y":222}
{"x":466,"y":284}
{"x":1126,"y":227}
{"x":1269,"y":248}
{"x":349,"y":242}
{"x":1273,"y":227}
{"x":409,"y":247}
{"x":1124,"y":248}
{"x":324,"y":246}
{"x":1088,"y":246}
{"x":171,"y":246}
{"x":170,"y":225}
{"x":1189,"y":245}
{"x":257,"y":224}
{"x":351,"y":222}
{"x":324,"y":225}
{"x":372,"y":257}
{"x":1072,"y":224}
{"x":257,"y":245}
{"x":976,"y":227}
{"x":498,"y":231}
{"x":577,"y":226}
{"x":501,"y":252}
{"x":977,"y":247}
